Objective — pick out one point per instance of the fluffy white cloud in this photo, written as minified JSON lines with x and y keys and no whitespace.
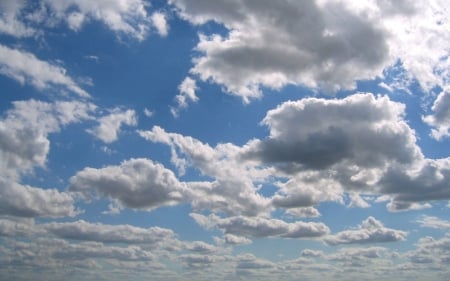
{"x":328,"y":44}
{"x":24,"y":132}
{"x":27,"y":201}
{"x":135,"y":183}
{"x":110,"y":125}
{"x":99,"y":232}
{"x":232,"y":190}
{"x":258,"y":227}
{"x":370,"y":231}
{"x":440,"y":119}
{"x":362,"y":130}
{"x":27,"y":68}
{"x":187,"y":94}
{"x":274,"y":44}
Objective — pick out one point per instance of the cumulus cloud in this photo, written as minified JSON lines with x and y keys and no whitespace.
{"x":29,"y":202}
{"x":187,"y":94}
{"x":109,"y":126}
{"x":332,"y":47}
{"x":25,"y":67}
{"x":427,"y":182}
{"x":232,"y":190}
{"x":312,"y":133}
{"x":104,"y":233}
{"x":24,"y":132}
{"x":370,"y":231}
{"x":326,"y":44}
{"x":257,"y":227}
{"x":135,"y":183}
{"x":440,"y":118}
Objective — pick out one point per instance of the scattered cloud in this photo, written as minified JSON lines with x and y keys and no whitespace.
{"x":25,"y":67}
{"x":433,"y":222}
{"x":29,"y":202}
{"x":135,"y":183}
{"x":187,"y":94}
{"x":109,"y":125}
{"x":159,"y":21}
{"x":440,"y":119}
{"x":258,"y":227}
{"x":370,"y":231}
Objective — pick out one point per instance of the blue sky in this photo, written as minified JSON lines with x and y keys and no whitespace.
{"x":225,"y":140}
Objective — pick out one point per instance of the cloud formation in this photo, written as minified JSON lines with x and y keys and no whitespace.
{"x":135,"y":183}
{"x":371,"y":230}
{"x":25,"y":67}
{"x":109,"y":125}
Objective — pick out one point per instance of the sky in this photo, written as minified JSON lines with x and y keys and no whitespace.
{"x":224,"y":140}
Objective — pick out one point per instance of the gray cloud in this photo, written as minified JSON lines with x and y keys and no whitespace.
{"x":27,"y":201}
{"x":311,"y":133}
{"x":370,"y":231}
{"x":24,"y":132}
{"x":104,"y":233}
{"x":274,"y":44}
{"x":440,"y":118}
{"x":262,"y":227}
{"x":135,"y":183}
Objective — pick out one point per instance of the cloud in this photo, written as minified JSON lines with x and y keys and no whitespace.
{"x":258,"y":227}
{"x":110,"y":125}
{"x":187,"y":94}
{"x":370,"y":231}
{"x":433,"y":222}
{"x":440,"y":118}
{"x":312,"y":133}
{"x":275,"y":44}
{"x":127,"y":17}
{"x":29,"y":202}
{"x":426,"y":182}
{"x":160,"y":23}
{"x":25,"y":128}
{"x":232,"y":190}
{"x":135,"y":183}
{"x":24,"y":67}
{"x":10,"y":20}
{"x":16,"y":226}
{"x":104,"y":233}
{"x":324,"y":44}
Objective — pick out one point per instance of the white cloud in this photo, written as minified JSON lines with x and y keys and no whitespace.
{"x":257,"y":227}
{"x":127,"y":17}
{"x":24,"y":132}
{"x":304,"y":212}
{"x":433,"y":222}
{"x":160,"y":23}
{"x":135,"y":183}
{"x":370,"y":231}
{"x":10,"y":21}
{"x":440,"y":119}
{"x":24,"y":67}
{"x":27,"y":201}
{"x":326,"y":44}
{"x":99,"y":232}
{"x":110,"y":125}
{"x":187,"y":94}
{"x":232,"y":190}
